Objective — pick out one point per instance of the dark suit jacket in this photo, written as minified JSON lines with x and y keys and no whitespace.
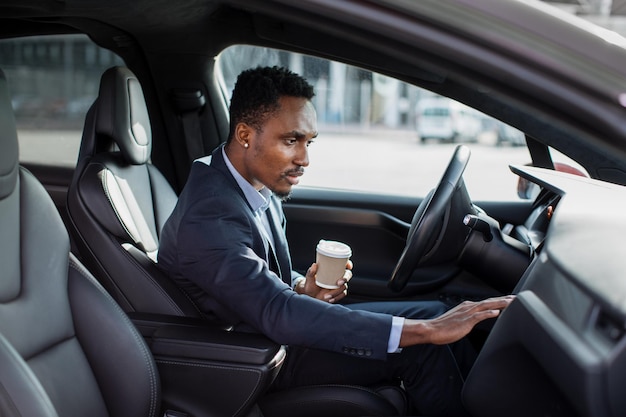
{"x":213,"y":248}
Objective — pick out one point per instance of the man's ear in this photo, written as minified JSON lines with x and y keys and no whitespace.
{"x":243,"y":134}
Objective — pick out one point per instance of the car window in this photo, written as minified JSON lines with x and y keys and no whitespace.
{"x":53,"y":80}
{"x":378,"y":134}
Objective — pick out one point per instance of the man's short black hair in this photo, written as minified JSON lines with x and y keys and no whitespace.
{"x":257,"y":91}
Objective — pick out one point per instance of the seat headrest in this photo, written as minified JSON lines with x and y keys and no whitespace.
{"x":122,"y":114}
{"x":9,"y":155}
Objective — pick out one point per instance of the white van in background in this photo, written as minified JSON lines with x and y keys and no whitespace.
{"x":446,"y":120}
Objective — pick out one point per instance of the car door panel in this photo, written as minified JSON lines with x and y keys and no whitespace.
{"x":376,"y":227}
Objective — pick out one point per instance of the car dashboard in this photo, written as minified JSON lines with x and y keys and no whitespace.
{"x":559,"y":349}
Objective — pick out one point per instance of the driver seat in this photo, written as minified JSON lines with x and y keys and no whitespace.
{"x":118,"y":203}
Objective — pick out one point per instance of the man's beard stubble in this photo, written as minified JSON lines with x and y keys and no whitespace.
{"x":284,"y":196}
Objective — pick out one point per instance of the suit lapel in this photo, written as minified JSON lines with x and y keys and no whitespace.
{"x":277,"y":258}
{"x":281,"y":249}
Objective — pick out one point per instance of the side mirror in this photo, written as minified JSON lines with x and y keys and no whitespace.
{"x":527,"y":190}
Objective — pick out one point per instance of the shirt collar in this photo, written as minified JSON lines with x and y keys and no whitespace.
{"x":258,"y":200}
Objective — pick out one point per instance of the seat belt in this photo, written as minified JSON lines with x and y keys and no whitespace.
{"x":189,"y":103}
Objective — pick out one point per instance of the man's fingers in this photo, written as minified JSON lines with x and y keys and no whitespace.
{"x":496,"y":303}
{"x":486,"y":314}
{"x":480,"y":309}
{"x":486,"y":309}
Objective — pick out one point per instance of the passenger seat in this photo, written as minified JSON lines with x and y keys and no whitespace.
{"x":118,"y":201}
{"x":66,"y":348}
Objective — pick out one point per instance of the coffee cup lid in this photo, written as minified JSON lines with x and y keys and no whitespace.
{"x":334,"y":249}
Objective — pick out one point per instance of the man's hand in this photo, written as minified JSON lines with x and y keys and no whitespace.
{"x":310,"y":288}
{"x":453,"y":324}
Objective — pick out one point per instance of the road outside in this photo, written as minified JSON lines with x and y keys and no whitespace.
{"x":396,"y":162}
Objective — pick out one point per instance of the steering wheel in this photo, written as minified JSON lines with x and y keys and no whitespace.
{"x":428,"y":226}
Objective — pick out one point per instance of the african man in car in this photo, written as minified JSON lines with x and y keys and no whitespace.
{"x":225,"y":245}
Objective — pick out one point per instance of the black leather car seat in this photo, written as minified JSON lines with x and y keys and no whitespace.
{"x":74,"y":341}
{"x":118,"y":201}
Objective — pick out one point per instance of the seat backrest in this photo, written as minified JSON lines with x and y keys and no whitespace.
{"x":118,"y":201}
{"x":53,"y":313}
{"x":21,"y":394}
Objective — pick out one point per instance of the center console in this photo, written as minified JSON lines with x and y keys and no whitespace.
{"x":208,"y":369}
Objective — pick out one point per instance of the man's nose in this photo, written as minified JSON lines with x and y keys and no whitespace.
{"x":302,"y":158}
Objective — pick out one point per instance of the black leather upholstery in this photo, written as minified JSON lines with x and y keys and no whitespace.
{"x":336,"y":400}
{"x":21,"y":394}
{"x":118,"y":201}
{"x":67,"y":342}
{"x":66,"y":347}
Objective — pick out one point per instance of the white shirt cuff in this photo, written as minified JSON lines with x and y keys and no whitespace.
{"x":296,"y":282}
{"x":394,"y":336}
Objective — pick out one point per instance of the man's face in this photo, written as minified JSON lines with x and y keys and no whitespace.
{"x":277,"y":155}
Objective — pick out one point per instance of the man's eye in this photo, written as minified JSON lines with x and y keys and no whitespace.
{"x":309,"y":142}
{"x":291,"y":141}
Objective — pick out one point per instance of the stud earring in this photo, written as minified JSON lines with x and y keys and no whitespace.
{"x":245,"y":145}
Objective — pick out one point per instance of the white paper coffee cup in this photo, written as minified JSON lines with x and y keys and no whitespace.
{"x":331,"y":259}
